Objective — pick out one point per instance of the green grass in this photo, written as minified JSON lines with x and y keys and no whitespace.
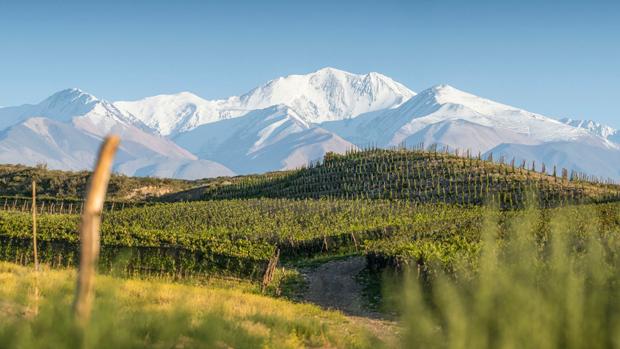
{"x":137,"y":314}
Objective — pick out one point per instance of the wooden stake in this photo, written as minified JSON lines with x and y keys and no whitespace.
{"x":34,"y":244}
{"x":34,"y":225}
{"x":89,"y":229}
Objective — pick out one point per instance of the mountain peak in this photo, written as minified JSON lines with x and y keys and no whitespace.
{"x":64,"y":104}
{"x":187,"y":94}
{"x":71,"y":95}
{"x":323,"y":95}
{"x":331,"y":70}
{"x":442,"y":94}
{"x":329,"y":94}
{"x":369,"y":77}
{"x":446,"y":89}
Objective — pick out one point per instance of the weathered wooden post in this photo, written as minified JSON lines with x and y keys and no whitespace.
{"x":34,"y":225}
{"x":89,"y":229}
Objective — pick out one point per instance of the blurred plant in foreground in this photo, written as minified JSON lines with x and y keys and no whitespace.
{"x":556,"y":287}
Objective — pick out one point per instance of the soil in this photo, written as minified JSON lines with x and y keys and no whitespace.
{"x":332,"y":285}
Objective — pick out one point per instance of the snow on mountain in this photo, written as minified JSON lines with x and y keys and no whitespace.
{"x":596,"y":128}
{"x":289,"y":122}
{"x":172,"y":114}
{"x":45,"y":141}
{"x":275,"y":138}
{"x":61,"y":106}
{"x":97,"y":117}
{"x":327,"y":94}
{"x":446,"y":116}
{"x":63,"y":146}
{"x":65,"y":131}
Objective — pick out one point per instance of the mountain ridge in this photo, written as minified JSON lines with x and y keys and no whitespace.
{"x":65,"y":130}
{"x":319,"y":96}
{"x":262,"y":140}
{"x":289,"y":122}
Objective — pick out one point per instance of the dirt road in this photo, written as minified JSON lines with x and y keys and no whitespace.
{"x":333,"y":286}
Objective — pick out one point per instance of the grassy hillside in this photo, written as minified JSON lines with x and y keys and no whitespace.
{"x":16,"y":180}
{"x":413,"y":175}
{"x":136,"y":314}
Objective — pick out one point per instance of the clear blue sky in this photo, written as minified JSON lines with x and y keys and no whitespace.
{"x":558,"y":58}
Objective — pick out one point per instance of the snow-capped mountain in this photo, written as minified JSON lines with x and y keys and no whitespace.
{"x":446,"y":116}
{"x":327,"y":94}
{"x":60,"y":145}
{"x":65,"y":130}
{"x":177,"y":113}
{"x":61,"y":106}
{"x":275,"y":138}
{"x":596,"y":128}
{"x":289,"y":122}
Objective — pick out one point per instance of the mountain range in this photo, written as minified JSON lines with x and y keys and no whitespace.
{"x":290,"y":121}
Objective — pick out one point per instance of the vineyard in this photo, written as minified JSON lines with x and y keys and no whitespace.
{"x":53,"y":205}
{"x":397,"y":211}
{"x":139,"y":251}
{"x":231,"y":237}
{"x":242,"y":238}
{"x":459,"y":245}
{"x":400,"y":208}
{"x":416,"y":175}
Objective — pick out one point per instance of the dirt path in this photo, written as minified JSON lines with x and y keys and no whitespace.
{"x":333,"y":286}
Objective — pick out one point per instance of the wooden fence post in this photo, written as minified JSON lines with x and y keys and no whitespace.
{"x":34,"y":247}
{"x":34,"y":225}
{"x":89,"y":229}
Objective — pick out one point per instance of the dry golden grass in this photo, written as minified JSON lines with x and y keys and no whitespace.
{"x":137,"y":313}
